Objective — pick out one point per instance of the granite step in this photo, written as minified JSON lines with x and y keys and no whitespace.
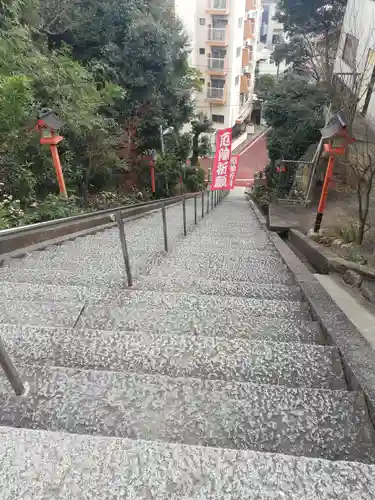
{"x":51,"y":313}
{"x":43,"y":292}
{"x":220,"y":256}
{"x":99,"y":278}
{"x":324,"y":424}
{"x":216,"y":261}
{"x":142,"y":310}
{"x":241,"y":360}
{"x":61,"y":466}
{"x":263,"y":291}
{"x":251,"y":272}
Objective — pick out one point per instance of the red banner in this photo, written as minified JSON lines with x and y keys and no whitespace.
{"x":233,"y":170}
{"x":221,"y":170}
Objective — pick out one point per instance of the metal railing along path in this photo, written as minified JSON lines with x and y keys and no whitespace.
{"x":216,"y":197}
{"x":17,"y":238}
{"x":119,"y":216}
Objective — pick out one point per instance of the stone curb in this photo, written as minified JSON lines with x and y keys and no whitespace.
{"x":323,"y":259}
{"x":357,"y":355}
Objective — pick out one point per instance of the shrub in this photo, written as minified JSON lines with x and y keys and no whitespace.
{"x":51,"y":208}
{"x":11,"y":213}
{"x":262,"y":196}
{"x":194,"y":179}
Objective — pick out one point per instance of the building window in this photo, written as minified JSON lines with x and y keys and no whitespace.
{"x":203,"y":81}
{"x":218,"y":118}
{"x":237,"y":80}
{"x":202,"y":52}
{"x":202,"y":21}
{"x":350,"y":50}
{"x":240,"y":22}
{"x":238,"y":53}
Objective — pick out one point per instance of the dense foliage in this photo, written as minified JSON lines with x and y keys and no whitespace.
{"x":294,"y":110}
{"x":113,"y":71}
{"x":314,"y":28}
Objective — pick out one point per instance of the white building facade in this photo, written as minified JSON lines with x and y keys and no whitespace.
{"x":271,"y":32}
{"x":223,"y":36}
{"x":354,"y":67}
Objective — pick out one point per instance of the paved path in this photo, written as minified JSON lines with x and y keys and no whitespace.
{"x":208,"y":380}
{"x":252,"y":159}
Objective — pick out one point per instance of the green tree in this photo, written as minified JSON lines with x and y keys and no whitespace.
{"x":201,"y":143}
{"x":294,"y":110}
{"x":314,"y":27}
{"x":139,"y":46}
{"x":264,"y":85}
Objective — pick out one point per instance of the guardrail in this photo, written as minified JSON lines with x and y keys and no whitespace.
{"x":118,"y":215}
{"x":16,"y":238}
{"x":213,"y":198}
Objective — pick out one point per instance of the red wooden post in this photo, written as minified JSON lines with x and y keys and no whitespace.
{"x":152,"y":173}
{"x":324,"y":195}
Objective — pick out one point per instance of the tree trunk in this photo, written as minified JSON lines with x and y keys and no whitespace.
{"x":363,"y":209}
{"x":326,"y":57}
{"x":85,"y":185}
{"x":195,"y":156}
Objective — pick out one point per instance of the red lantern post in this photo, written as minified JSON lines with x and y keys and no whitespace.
{"x":47,"y":125}
{"x":339,"y":139}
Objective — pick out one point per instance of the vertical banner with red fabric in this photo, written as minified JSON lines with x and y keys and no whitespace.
{"x":221,"y":170}
{"x":233,"y":169}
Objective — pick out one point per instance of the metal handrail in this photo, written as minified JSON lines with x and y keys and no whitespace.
{"x":116,"y":215}
{"x":77,"y":218}
{"x":215,"y":196}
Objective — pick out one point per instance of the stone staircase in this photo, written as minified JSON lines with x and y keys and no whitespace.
{"x":208,"y":380}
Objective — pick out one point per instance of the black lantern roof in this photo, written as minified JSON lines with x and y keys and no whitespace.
{"x":50,"y":119}
{"x":335,"y":127}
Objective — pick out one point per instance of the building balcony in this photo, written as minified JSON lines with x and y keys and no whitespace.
{"x":216,"y":95}
{"x":245,"y":84}
{"x":249,"y":29}
{"x":218,"y":37}
{"x":252,"y":4}
{"x":245,"y":57}
{"x":248,"y":69}
{"x":216,"y":66}
{"x":218,"y":7}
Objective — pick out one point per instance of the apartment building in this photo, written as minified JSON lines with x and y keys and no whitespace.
{"x":271,"y":32}
{"x":354,"y":69}
{"x":223,"y":35}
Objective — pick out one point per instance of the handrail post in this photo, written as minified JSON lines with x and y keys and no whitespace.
{"x":165,"y":229}
{"x":212,"y":199}
{"x":184,"y":214}
{"x":11,"y":372}
{"x":202,"y":203}
{"x":195,"y":210}
{"x":124,"y":248}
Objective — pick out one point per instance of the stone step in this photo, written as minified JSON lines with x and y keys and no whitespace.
{"x":70,"y":293}
{"x":60,"y":466}
{"x":99,"y":278}
{"x":220,"y":256}
{"x":51,"y":313}
{"x":216,"y":261}
{"x":324,"y":424}
{"x":44,"y":292}
{"x":263,"y":291}
{"x":290,"y":364}
{"x":147,"y":310}
{"x":251,"y":272}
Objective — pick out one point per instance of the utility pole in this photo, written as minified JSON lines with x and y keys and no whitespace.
{"x":162,"y":139}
